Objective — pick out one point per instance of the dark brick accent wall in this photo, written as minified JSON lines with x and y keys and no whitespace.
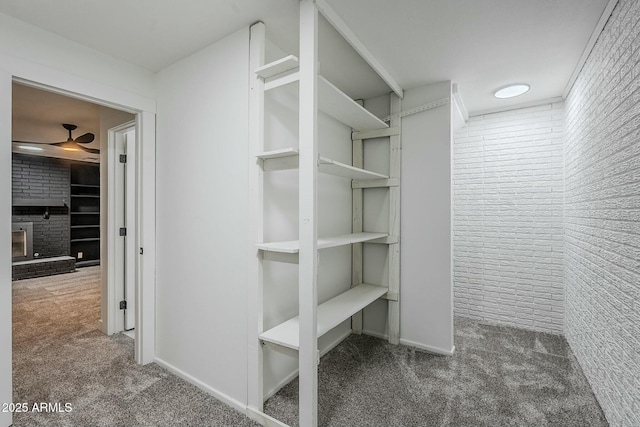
{"x":39,"y":178}
{"x":45,"y":267}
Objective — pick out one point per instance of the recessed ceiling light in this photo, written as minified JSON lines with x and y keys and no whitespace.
{"x":29,"y":147}
{"x":512,"y":91}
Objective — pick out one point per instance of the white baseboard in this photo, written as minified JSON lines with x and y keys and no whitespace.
{"x":409,"y":343}
{"x":428,"y":348}
{"x":235,"y":404}
{"x":375,"y":334}
{"x":286,"y":380}
{"x":264,"y":419}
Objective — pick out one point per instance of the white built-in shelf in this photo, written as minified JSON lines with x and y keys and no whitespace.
{"x":331,"y":100}
{"x":329,"y":315}
{"x":288,"y":63}
{"x":335,"y":103}
{"x":278,"y":154}
{"x":332,"y":167}
{"x":288,"y":159}
{"x":293,"y":246}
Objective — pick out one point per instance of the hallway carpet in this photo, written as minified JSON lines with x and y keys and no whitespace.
{"x":499,"y":376}
{"x":60,"y":357}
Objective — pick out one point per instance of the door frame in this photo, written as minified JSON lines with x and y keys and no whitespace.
{"x":15,"y":69}
{"x":113,"y":293}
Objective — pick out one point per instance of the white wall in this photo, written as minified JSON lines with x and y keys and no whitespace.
{"x":602,"y":217}
{"x":426,"y":290}
{"x":5,"y":253}
{"x":426,"y":307}
{"x":42,"y":56}
{"x":201,"y":171}
{"x":508,"y":218}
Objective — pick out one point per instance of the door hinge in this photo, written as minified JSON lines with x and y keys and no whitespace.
{"x":123,"y":158}
{"x":123,"y":305}
{"x":123,"y":231}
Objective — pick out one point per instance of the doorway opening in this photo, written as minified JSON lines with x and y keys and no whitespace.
{"x":60,"y":238}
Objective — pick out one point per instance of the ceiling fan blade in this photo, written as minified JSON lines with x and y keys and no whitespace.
{"x":90,"y":150}
{"x":57,"y":143}
{"x":85,"y":139}
{"x":34,"y":142}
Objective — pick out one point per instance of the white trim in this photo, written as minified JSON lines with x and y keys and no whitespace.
{"x":462,"y":109}
{"x":308,"y":216}
{"x":428,"y":348}
{"x":146,"y":237}
{"x":50,"y":79}
{"x":516,"y":106}
{"x":6,"y":377}
{"x":409,"y":343}
{"x":357,"y":45}
{"x":263,"y":419}
{"x":255,"y":301}
{"x":376,"y":334}
{"x":606,"y":14}
{"x":224,"y":398}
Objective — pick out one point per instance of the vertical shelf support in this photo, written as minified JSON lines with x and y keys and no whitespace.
{"x":357,"y":160}
{"x":255,"y":398}
{"x":308,"y":256}
{"x":395,"y":165}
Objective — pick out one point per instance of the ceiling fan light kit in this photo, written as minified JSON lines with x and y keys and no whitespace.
{"x":70,"y":144}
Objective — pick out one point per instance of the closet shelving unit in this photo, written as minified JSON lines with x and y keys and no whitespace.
{"x":299,"y":335}
{"x":85,"y":214}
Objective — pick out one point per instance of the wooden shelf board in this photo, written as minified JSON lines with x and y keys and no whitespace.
{"x":86,"y":226}
{"x":288,"y":63}
{"x":85,"y":213}
{"x":325,"y":165}
{"x":329,"y":315}
{"x":333,"y":167}
{"x":86,"y":196}
{"x":277,"y":154}
{"x":293,"y":246}
{"x":85,"y":185}
{"x":331,"y":100}
{"x":87,"y":239}
{"x":338,"y":105}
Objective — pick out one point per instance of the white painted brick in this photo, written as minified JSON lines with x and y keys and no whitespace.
{"x":508,"y":189}
{"x":602,"y":217}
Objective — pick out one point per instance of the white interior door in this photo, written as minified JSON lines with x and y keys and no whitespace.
{"x":130,"y":220}
{"x":122,"y":229}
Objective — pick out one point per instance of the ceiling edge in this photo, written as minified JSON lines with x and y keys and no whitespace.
{"x":606,"y":14}
{"x":517,"y":106}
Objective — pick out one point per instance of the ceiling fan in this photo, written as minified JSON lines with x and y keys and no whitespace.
{"x":75,"y":144}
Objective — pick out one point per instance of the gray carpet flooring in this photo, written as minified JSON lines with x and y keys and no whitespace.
{"x":59,"y":356}
{"x":499,"y":376}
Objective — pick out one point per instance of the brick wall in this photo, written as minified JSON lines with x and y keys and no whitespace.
{"x":602,"y":217}
{"x":508,"y":219}
{"x":43,"y":177}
